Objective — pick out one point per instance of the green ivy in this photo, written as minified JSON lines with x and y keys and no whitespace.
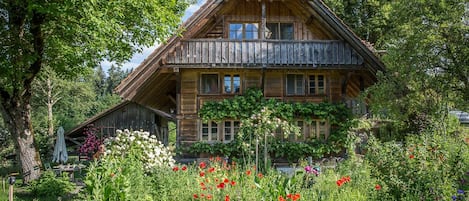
{"x":253,"y":101}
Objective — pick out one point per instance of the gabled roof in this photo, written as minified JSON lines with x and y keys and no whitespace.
{"x":149,"y":69}
{"x":113,"y":109}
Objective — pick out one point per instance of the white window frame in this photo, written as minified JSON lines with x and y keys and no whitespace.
{"x":303,"y":128}
{"x":233,"y":130}
{"x":210,"y":126}
{"x":319,"y":129}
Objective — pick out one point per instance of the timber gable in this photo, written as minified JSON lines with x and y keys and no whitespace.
{"x":296,"y":51}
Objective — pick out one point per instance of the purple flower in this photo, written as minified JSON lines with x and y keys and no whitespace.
{"x":308,"y":169}
{"x":454,"y":197}
{"x":460,"y":191}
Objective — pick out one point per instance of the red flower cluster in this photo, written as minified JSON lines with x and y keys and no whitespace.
{"x":208,"y":196}
{"x":293,"y":197}
{"x":175,"y":169}
{"x":377,"y":187}
{"x":411,"y":156}
{"x":342,"y":181}
{"x":202,"y":165}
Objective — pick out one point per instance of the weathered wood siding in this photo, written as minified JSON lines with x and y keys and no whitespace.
{"x":274,"y":87}
{"x":261,"y":53}
{"x":276,"y":12}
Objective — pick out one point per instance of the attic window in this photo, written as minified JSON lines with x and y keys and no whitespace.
{"x":244,"y":31}
{"x":279,"y":31}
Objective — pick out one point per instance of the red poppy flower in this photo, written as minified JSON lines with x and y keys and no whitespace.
{"x":202,"y":174}
{"x":233,"y":183}
{"x":296,"y":197}
{"x":221,"y":186}
{"x":196,"y":196}
{"x":280,"y":198}
{"x":184,"y":168}
{"x":175,"y":169}
{"x":248,"y":172}
{"x":202,"y":165}
{"x":227,"y":198}
{"x":212,"y":169}
{"x":260,"y":175}
{"x":290,"y":196}
{"x":218,"y":159}
{"x":202,"y":184}
{"x":346,"y":179}
{"x":377,"y":187}
{"x":339,"y":182}
{"x":208,"y":197}
{"x":226,"y":180}
{"x":411,"y":156}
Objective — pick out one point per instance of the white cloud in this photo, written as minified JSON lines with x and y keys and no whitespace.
{"x":139,"y":57}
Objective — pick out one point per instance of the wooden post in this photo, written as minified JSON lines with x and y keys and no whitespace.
{"x":10,"y":193}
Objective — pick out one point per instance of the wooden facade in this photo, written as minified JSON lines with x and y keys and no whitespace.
{"x":126,"y":115}
{"x":294,"y":50}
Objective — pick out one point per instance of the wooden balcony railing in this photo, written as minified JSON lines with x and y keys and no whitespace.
{"x":222,"y":52}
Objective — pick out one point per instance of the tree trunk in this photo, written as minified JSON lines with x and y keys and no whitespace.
{"x":18,"y":118}
{"x":50,"y":104}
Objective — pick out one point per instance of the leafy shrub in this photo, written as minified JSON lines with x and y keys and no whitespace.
{"x":426,"y":167}
{"x":122,"y":172}
{"x":49,"y":185}
{"x":151,"y":152}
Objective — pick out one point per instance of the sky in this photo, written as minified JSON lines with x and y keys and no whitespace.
{"x":139,"y":57}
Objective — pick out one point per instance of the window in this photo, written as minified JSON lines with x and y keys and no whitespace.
{"x":295,"y":84}
{"x":317,"y":84}
{"x":231,"y":128}
{"x":232,"y":84}
{"x":244,"y":31}
{"x":279,"y":31}
{"x":209,"y":131}
{"x":319,"y":129}
{"x":293,"y":137}
{"x":209,"y":84}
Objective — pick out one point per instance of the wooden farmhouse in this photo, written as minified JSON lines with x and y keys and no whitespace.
{"x":294,"y":50}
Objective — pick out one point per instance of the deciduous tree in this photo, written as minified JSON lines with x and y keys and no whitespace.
{"x":70,"y":37}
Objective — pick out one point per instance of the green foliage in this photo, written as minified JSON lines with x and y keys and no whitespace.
{"x":118,"y":178}
{"x":427,"y":71}
{"x":426,"y":167}
{"x":260,"y":115}
{"x":253,"y":101}
{"x":49,"y":185}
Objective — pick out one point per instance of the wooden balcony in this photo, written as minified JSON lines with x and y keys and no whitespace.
{"x":223,"y":52}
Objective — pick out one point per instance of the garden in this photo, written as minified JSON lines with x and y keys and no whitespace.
{"x":136,"y":166}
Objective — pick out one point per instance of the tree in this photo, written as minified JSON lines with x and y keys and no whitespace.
{"x":368,"y":18}
{"x":427,"y":61}
{"x":71,"y":37}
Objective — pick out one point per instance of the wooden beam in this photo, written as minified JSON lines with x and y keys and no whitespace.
{"x":172,"y":98}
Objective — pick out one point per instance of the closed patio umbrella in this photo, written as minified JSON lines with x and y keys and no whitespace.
{"x":60,"y":149}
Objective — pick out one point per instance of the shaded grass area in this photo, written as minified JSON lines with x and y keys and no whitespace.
{"x":23,"y":192}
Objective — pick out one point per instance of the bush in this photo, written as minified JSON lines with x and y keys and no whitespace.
{"x":122,"y":173}
{"x":49,"y":185}
{"x":426,"y":167}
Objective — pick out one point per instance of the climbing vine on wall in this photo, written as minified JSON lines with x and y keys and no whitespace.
{"x":253,"y":102}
